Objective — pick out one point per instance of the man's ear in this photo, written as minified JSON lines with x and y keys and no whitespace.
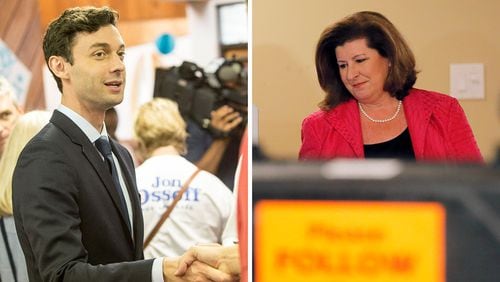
{"x":59,"y":66}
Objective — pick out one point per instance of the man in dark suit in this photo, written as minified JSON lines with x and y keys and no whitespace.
{"x":76,"y":205}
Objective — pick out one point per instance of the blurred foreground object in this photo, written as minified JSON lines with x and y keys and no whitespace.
{"x":375,"y":220}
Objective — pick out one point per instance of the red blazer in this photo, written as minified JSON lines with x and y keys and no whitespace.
{"x":438,"y":128}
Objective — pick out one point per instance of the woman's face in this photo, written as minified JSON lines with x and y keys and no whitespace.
{"x":363,"y":70}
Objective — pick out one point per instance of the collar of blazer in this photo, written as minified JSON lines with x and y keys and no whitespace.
{"x":346,"y":121}
{"x":418,"y":106}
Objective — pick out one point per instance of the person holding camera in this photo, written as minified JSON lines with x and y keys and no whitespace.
{"x":214,"y":106}
{"x":207,"y":148}
{"x":220,"y":153}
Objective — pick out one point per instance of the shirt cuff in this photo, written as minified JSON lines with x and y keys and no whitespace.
{"x":157,"y":270}
{"x":230,"y":241}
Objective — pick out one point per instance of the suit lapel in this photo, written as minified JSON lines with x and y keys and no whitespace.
{"x":90,"y":152}
{"x":345,"y":119}
{"x":418,"y":109}
{"x":128,"y":172}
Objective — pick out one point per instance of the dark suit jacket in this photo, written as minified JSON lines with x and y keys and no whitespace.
{"x":67,"y":211}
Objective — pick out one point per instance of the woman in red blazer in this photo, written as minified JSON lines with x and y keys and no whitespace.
{"x":371,"y":108}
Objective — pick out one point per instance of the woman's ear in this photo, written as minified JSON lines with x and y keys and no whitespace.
{"x":59,"y":66}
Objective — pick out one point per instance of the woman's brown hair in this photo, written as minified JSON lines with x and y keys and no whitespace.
{"x":380,"y":35}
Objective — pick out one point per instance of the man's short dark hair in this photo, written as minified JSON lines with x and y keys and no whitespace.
{"x":58,"y":39}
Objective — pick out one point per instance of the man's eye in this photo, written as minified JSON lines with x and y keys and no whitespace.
{"x":100,"y":54}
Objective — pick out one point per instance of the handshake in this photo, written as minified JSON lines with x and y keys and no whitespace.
{"x":204,"y":263}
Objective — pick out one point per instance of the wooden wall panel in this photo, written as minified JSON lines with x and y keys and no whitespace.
{"x":140,"y":32}
{"x":7,"y":7}
{"x":19,"y":25}
{"x":36,"y":97}
{"x":20,"y":30}
{"x":129,"y":10}
{"x":22,"y":23}
{"x":28,"y":52}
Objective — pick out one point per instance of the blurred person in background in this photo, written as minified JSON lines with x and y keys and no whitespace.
{"x":212,"y":106}
{"x":216,"y":151}
{"x":371,"y":109}
{"x":9,"y":111}
{"x":111,"y":121}
{"x":203,"y":212}
{"x":12,"y":263}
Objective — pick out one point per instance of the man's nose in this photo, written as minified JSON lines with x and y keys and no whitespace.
{"x":118,"y":64}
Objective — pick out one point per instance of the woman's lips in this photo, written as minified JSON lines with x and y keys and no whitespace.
{"x":358,"y":85}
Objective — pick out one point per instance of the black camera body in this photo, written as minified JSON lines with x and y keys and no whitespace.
{"x":198,"y":93}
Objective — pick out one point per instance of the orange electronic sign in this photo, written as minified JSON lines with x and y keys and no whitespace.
{"x":349,"y":241}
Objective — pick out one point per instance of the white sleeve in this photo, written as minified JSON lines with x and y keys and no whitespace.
{"x":230,"y":233}
{"x":157,"y":270}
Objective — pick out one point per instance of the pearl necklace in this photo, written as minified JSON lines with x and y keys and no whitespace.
{"x":381,"y":120}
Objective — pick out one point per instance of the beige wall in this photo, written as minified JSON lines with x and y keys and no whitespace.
{"x":440,"y":32}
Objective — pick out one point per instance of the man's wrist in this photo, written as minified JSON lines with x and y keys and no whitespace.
{"x":169,"y":268}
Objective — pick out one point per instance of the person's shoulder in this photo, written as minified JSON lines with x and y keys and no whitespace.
{"x":47,"y":139}
{"x":324,"y":115}
{"x":143,"y":168}
{"x":430,"y":96}
{"x":164,"y":163}
{"x":212,"y":179}
{"x":318,"y":114}
{"x":211,"y":184}
{"x":435,"y":102}
{"x":314,"y":121}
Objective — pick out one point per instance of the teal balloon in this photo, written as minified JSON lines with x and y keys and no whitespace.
{"x":165,"y":43}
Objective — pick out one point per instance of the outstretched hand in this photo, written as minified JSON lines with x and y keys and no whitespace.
{"x":225,"y":259}
{"x":197,"y":271}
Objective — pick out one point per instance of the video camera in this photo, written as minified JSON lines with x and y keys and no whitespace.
{"x":198,"y":93}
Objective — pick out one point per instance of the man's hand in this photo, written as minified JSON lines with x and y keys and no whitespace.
{"x":225,"y":119}
{"x":197,"y":272}
{"x":222,"y":258}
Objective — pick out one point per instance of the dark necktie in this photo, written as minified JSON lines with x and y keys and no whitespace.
{"x":104,"y":147}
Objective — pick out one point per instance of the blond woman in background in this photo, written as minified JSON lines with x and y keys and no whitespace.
{"x":10,"y":111}
{"x":12,"y":264}
{"x":203,"y":213}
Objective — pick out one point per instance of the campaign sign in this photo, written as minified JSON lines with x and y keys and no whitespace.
{"x":349,"y":241}
{"x":14,"y":71}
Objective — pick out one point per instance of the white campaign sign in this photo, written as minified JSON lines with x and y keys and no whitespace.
{"x":14,"y":71}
